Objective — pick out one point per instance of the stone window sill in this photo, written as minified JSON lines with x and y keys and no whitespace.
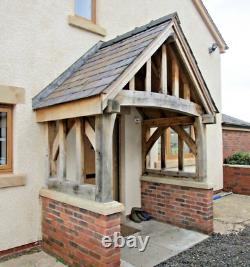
{"x":12,"y":180}
{"x":12,"y":95}
{"x":82,"y":23}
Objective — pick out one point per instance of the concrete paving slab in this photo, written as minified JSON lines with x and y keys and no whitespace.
{"x":40,"y":259}
{"x":165,"y":242}
{"x":231,"y":213}
{"x":178,"y":239}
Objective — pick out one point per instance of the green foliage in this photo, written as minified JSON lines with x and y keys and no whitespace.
{"x":239,"y":158}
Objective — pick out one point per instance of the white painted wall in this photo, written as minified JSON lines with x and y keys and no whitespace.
{"x":37,"y":44}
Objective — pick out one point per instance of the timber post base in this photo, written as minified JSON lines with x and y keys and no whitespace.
{"x":74,"y":234}
{"x":186,"y":207}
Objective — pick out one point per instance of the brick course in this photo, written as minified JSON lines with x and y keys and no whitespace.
{"x":236,"y":179}
{"x":189,"y":208}
{"x":74,"y":235}
{"x":235,"y":141}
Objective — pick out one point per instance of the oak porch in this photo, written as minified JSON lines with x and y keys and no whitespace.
{"x":160,"y":109}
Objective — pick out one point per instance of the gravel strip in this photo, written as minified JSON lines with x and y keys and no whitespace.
{"x":218,"y":250}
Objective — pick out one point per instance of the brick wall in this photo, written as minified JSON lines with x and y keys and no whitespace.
{"x":185,"y":207}
{"x":75,"y":234}
{"x":237,"y":179}
{"x":235,"y":141}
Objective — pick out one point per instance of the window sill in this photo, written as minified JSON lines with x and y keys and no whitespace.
{"x":12,"y":95}
{"x":12,"y":180}
{"x":82,"y":23}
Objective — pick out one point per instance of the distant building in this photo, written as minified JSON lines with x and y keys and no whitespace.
{"x":236,"y":135}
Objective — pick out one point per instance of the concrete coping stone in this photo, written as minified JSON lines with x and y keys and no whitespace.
{"x":237,"y":166}
{"x":186,"y":182}
{"x":90,"y":205}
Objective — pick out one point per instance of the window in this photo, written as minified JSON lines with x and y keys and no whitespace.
{"x":172,"y":144}
{"x":5,"y":139}
{"x":86,"y":9}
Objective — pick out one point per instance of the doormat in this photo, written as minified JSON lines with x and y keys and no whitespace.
{"x":128,"y":230}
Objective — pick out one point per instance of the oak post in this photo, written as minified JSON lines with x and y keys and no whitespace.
{"x":62,"y":151}
{"x":104,"y":126}
{"x":148,"y":76}
{"x":175,"y":78}
{"x":180,"y":154}
{"x":163,"y":150}
{"x":79,"y":151}
{"x":186,"y":91}
{"x":132,"y":84}
{"x":201,"y":155}
{"x":164,"y":78}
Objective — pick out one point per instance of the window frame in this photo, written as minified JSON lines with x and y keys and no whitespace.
{"x":9,"y":166}
{"x":93,"y":12}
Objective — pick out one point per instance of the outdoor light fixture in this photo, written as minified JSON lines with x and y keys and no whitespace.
{"x":137,"y":120}
{"x":212,"y":48}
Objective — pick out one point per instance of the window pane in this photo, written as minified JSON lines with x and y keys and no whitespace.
{"x":83,"y":8}
{"x":173,"y":142}
{"x":186,"y":148}
{"x":3,"y":138}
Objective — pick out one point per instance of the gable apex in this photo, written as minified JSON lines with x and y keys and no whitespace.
{"x":107,"y":67}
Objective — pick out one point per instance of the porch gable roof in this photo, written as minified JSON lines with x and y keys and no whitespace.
{"x":105,"y":65}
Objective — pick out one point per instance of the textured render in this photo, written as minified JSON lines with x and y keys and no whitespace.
{"x":130,"y":161}
{"x":235,"y":141}
{"x":37,"y":48}
{"x":190,"y":208}
{"x":102,"y":67}
{"x":75,"y":234}
{"x":237,"y":179}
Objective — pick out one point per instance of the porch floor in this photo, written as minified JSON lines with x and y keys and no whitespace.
{"x":165,"y":241}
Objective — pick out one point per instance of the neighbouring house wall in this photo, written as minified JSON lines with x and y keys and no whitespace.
{"x":38,"y":45}
{"x":235,"y":141}
{"x":237,"y":179}
{"x":130,"y":161}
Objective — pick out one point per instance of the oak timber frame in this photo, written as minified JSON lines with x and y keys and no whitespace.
{"x":165,"y":83}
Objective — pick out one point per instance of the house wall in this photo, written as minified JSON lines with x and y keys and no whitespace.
{"x":235,"y":141}
{"x":37,"y":45}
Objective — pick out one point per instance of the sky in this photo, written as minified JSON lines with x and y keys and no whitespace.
{"x":233,"y":20}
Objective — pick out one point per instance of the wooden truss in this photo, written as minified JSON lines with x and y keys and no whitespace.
{"x":196,"y":145}
{"x":164,"y":93}
{"x":99,"y":133}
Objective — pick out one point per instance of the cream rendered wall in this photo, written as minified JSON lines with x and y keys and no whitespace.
{"x":37,"y":44}
{"x":130,"y":187}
